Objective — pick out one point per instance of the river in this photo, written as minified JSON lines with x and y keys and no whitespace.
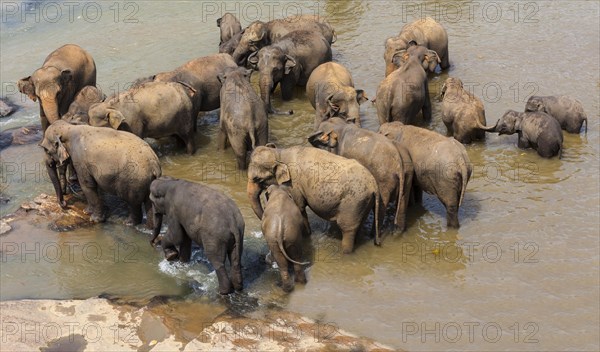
{"x":521,"y":273}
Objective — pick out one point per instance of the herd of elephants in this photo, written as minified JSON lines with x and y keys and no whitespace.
{"x":97,"y":141}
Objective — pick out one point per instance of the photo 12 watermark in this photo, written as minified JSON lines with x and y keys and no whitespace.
{"x":69,"y":11}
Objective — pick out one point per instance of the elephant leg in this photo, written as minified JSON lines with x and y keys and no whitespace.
{"x":349,"y":223}
{"x":287,"y":90}
{"x":135,"y":214}
{"x":236,"y":269}
{"x":62,"y":176}
{"x":451,"y":215}
{"x":185,"y":248}
{"x":149,"y":214}
{"x":427,"y":105}
{"x":287,"y":284}
{"x":72,"y":173}
{"x":523,"y":143}
{"x":172,"y":238}
{"x":90,"y":190}
{"x":240,"y":150}
{"x":217,"y":256}
{"x":295,"y":252}
{"x":307,"y":229}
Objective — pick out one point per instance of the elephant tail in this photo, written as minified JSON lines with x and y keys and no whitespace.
{"x":585,"y":120}
{"x":253,"y":138}
{"x":281,"y":247}
{"x":464,"y":175}
{"x":400,"y":209}
{"x":376,"y":219}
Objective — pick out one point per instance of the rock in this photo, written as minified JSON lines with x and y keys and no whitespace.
{"x":59,"y":219}
{"x":4,"y":227}
{"x":20,"y":136}
{"x":6,"y":107}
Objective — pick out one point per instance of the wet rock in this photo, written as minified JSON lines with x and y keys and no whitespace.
{"x":4,"y":227}
{"x":20,"y":136}
{"x":7,"y":108}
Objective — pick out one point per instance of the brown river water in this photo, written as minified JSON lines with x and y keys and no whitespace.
{"x":521,"y":273}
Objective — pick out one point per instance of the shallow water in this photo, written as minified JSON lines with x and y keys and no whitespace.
{"x":522,"y":272}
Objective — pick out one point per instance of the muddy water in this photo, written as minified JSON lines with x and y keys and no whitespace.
{"x":522,"y":272}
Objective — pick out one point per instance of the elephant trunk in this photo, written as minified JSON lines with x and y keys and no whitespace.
{"x":253,"y":189}
{"x":50,"y":107}
{"x":158,"y":218}
{"x":239,"y":55}
{"x":486,"y":128}
{"x":389,"y":68}
{"x":53,"y":174}
{"x":266,"y":87}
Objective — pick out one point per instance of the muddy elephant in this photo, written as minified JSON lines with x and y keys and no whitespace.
{"x":105,"y":160}
{"x":244,"y":121}
{"x":536,"y":130}
{"x":426,"y":32}
{"x":260,"y":34}
{"x":229,"y":46}
{"x":229,"y":26}
{"x":79,"y":108}
{"x":330,"y":90}
{"x":152,"y":109}
{"x":441,"y":165}
{"x":405,"y":92}
{"x":335,"y":188}
{"x":200,"y":74}
{"x":352,"y":142}
{"x":283,"y":228}
{"x":289,"y":63}
{"x":199,"y":213}
{"x":462,"y":112}
{"x":567,"y":110}
{"x":63,"y":74}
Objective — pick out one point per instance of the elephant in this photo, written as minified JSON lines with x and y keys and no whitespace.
{"x":260,"y":34}
{"x":536,"y":129}
{"x":200,"y":74}
{"x":289,"y":62}
{"x":352,"y":142}
{"x":199,"y":213}
{"x":426,"y":32}
{"x":243,"y":115}
{"x":330,"y":90}
{"x":112,"y":161}
{"x":441,"y":165}
{"x":283,"y":228}
{"x":462,"y":112}
{"x":79,"y":108}
{"x":63,"y":74}
{"x":229,"y":46}
{"x":229,"y":26}
{"x":152,"y":109}
{"x":335,"y":188}
{"x":567,"y":110}
{"x":405,"y":92}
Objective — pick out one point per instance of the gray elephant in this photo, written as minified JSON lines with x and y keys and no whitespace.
{"x":64,"y":73}
{"x":330,"y":90}
{"x":105,"y":160}
{"x":229,"y":46}
{"x":405,"y":92}
{"x":426,"y":32}
{"x":441,"y":164}
{"x":536,"y":130}
{"x":567,"y":110}
{"x":283,"y":229}
{"x":244,"y":121}
{"x":200,"y":74}
{"x":260,"y":34}
{"x":462,"y":112}
{"x":152,"y":109}
{"x":79,"y":108}
{"x":335,"y":188}
{"x":375,"y":152}
{"x":199,"y":213}
{"x":289,"y":62}
{"x":229,"y":26}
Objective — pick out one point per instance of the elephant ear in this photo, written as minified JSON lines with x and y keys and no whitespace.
{"x":443,"y":90}
{"x":219,"y":21}
{"x":431,"y":60}
{"x":315,"y":138}
{"x":253,"y":60}
{"x":332,"y":108}
{"x":271,"y":145}
{"x":361,"y":97}
{"x":26,"y":87}
{"x":269,"y":190}
{"x":290,"y":63}
{"x":282,"y":173}
{"x":400,"y":57}
{"x":61,"y":151}
{"x":66,"y":76}
{"x":115,"y":118}
{"x":221,"y":77}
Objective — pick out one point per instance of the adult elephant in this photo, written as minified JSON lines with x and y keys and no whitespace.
{"x":63,"y":74}
{"x":405,"y":92}
{"x":330,"y":90}
{"x":441,"y":164}
{"x":289,"y":62}
{"x":260,"y":34}
{"x":112,"y":161}
{"x":153,"y":109}
{"x":335,"y":188}
{"x":199,"y":213}
{"x":200,"y":74}
{"x":426,"y":32}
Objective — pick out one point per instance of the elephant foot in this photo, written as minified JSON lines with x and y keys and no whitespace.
{"x":88,"y":210}
{"x":300,"y":278}
{"x":171,"y":254}
{"x":96,"y":218}
{"x":132,"y":221}
{"x":287,"y":287}
{"x":225,"y":289}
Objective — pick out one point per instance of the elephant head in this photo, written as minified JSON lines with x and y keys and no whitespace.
{"x":392,"y":46}
{"x":265,"y":169}
{"x":48,"y":84}
{"x":273,"y":65}
{"x":102,"y":115}
{"x":328,"y":134}
{"x":451,"y":83}
{"x":158,"y":189}
{"x":56,"y":145}
{"x":345,"y":103}
{"x":429,"y":59}
{"x":254,"y":37}
{"x":535,"y":103}
{"x":509,"y":123}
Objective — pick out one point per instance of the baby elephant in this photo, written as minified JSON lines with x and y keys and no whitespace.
{"x":78,"y":110}
{"x":206,"y":216}
{"x":243,"y":115}
{"x":462,"y":112}
{"x":567,"y":110}
{"x":152,"y":109}
{"x":283,"y":228}
{"x":536,"y":130}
